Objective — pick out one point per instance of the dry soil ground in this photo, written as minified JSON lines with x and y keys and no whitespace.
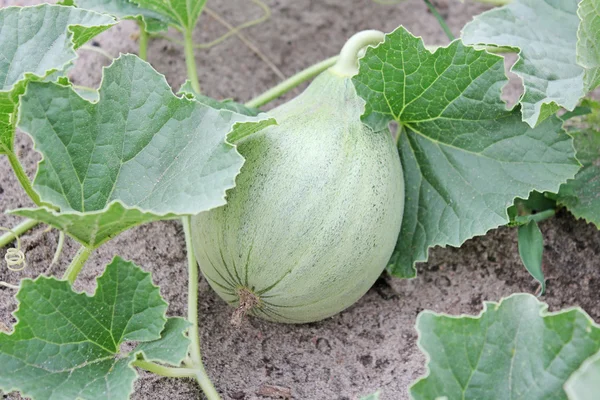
{"x":370,"y":346}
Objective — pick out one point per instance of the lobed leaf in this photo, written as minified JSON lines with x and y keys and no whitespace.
{"x":465,"y":157}
{"x":545,"y":33}
{"x":581,"y":195}
{"x":35,"y":42}
{"x":66,"y":345}
{"x":138,"y":154}
{"x":125,"y":9}
{"x":514,"y":349}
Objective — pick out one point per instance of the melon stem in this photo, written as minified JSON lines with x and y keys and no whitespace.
{"x":248,"y":301}
{"x":194,"y":332}
{"x":347,"y":65}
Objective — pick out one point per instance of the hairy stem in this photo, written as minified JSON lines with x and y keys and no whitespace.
{"x":23,"y":178}
{"x":291,"y":82}
{"x":195,"y":354}
{"x":440,"y":20}
{"x":18,"y":231}
{"x":190,"y":61}
{"x":77,"y":263}
{"x":143,"y":51}
{"x":347,"y":65}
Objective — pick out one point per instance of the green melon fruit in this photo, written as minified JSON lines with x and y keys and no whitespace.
{"x":315,"y":213}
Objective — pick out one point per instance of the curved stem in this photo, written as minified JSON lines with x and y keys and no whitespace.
{"x":77,"y":263}
{"x":143,"y":51}
{"x":165,"y":371}
{"x":347,"y":65}
{"x":96,"y":50}
{"x":17,"y":230}
{"x":58,"y":252}
{"x":23,"y":178}
{"x":195,"y":354}
{"x":291,"y":82}
{"x":190,"y":61}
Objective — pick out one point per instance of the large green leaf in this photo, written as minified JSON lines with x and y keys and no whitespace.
{"x":581,"y":195}
{"x":584,"y":383}
{"x":137,"y":155}
{"x":65,"y":345}
{"x":465,"y":157}
{"x":183,"y":13}
{"x":514,"y":349}
{"x":125,"y":9}
{"x":588,"y":45}
{"x":35,"y":42}
{"x":545,"y":32}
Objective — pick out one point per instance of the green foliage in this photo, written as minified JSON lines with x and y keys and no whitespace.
{"x":584,"y":383}
{"x":66,"y":345}
{"x":545,"y":33}
{"x":230,"y":105}
{"x":125,"y":9}
{"x":581,"y":195}
{"x":139,"y":154}
{"x":465,"y":157}
{"x":514,"y":349}
{"x":531,"y":249}
{"x":182,"y":13}
{"x":35,"y":42}
{"x":588,"y":52}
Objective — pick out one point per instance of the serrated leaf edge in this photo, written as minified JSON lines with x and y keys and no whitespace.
{"x":183,"y":97}
{"x":44,"y":277}
{"x":542,"y":311}
{"x":70,"y":37}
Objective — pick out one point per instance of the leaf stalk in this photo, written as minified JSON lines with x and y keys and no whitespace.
{"x":291,"y":83}
{"x":190,"y":61}
{"x":77,"y":263}
{"x":143,"y":51}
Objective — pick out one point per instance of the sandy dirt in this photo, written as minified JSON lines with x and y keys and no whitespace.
{"x":370,"y":346}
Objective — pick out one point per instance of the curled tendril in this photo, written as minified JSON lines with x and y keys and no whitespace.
{"x":14,"y":257}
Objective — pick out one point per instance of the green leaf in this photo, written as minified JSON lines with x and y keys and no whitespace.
{"x":183,"y":13}
{"x":35,"y":42}
{"x":230,"y":105}
{"x":584,"y":383}
{"x":545,"y":32}
{"x":65,"y":345}
{"x":125,"y":9}
{"x":588,"y":52}
{"x":514,"y":349}
{"x":172,"y":347}
{"x":139,"y":154}
{"x":465,"y":157}
{"x":581,"y":195}
{"x":531,"y":249}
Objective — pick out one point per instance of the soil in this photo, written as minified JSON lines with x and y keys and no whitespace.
{"x":370,"y":346}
